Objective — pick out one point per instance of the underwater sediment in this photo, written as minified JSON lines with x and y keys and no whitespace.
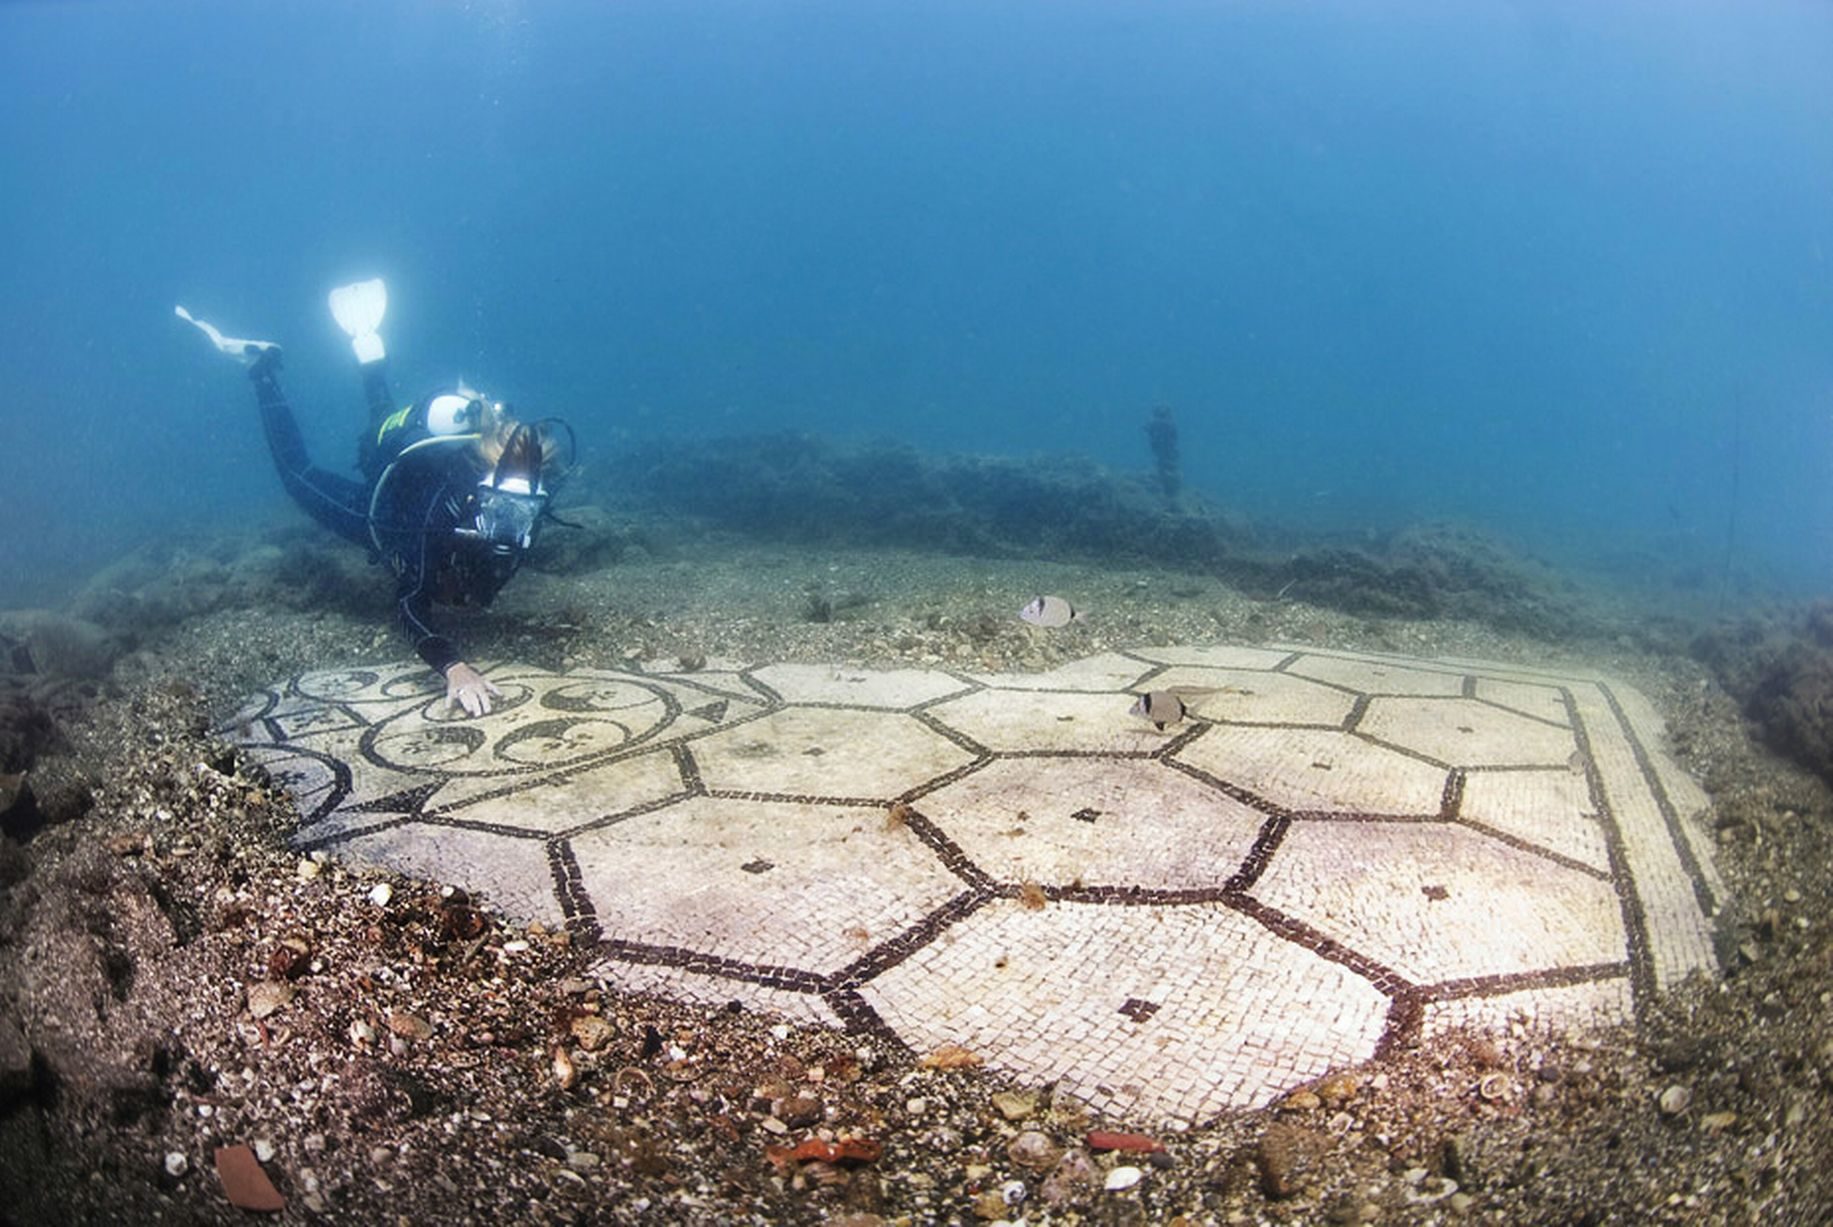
{"x":166,"y":913}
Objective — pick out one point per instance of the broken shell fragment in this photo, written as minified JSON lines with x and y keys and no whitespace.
{"x":566,"y":1074}
{"x":949,"y":1056}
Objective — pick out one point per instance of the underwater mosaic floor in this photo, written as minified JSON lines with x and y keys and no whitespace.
{"x":1345,"y":852}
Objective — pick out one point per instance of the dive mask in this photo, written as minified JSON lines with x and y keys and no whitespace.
{"x":507,"y":513}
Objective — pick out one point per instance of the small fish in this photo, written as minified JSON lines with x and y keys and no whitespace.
{"x":1166,"y":707}
{"x":1049,"y":612}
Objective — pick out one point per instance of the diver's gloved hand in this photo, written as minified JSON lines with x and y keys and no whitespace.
{"x":239,"y":348}
{"x":468,"y":689}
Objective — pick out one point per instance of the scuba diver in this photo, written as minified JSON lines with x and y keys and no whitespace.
{"x":454,"y":487}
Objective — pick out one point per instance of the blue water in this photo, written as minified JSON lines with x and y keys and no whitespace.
{"x":1557,"y":269}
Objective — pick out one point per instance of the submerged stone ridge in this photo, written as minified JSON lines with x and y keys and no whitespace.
{"x":1339,"y":851}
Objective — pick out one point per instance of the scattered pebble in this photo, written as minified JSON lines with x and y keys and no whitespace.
{"x":989,"y":1205}
{"x":1124,"y":1177}
{"x":1425,"y":1189}
{"x":176,"y":1164}
{"x":1070,"y":1175}
{"x":1034,"y":1151}
{"x":266,"y":996}
{"x":799,"y":1111}
{"x":125,"y":845}
{"x":1337,"y":1088}
{"x":1674,"y":1100}
{"x":1014,"y":1105}
{"x":592,"y":1031}
{"x":409,"y":1026}
{"x":381,"y":893}
{"x":1288,"y":1157}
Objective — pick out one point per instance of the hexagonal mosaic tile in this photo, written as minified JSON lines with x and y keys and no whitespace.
{"x":1337,"y":852}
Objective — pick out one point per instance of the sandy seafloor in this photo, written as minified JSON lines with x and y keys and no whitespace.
{"x":427,"y":1067}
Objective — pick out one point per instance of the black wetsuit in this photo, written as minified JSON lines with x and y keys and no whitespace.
{"x":427,"y":498}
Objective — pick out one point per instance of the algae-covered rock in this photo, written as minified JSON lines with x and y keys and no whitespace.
{"x":54,"y":644}
{"x":587,"y":539}
{"x":1780,"y":668}
{"x":795,"y":487}
{"x":74,"y":974}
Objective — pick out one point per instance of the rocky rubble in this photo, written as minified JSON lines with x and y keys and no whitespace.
{"x":175,"y":983}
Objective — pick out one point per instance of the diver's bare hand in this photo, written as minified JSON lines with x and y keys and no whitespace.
{"x":468,"y":690}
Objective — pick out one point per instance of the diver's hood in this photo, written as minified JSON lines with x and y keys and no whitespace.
{"x":519,"y":465}
{"x":462,"y":412}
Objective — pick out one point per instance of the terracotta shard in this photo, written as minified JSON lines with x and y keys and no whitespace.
{"x":859,"y":1150}
{"x":843,"y":1150}
{"x":1100,"y":1140}
{"x":244,"y":1183}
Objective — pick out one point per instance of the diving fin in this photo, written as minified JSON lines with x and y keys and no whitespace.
{"x":358,"y":309}
{"x":239,"y":348}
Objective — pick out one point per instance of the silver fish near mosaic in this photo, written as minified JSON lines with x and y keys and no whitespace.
{"x":1167,"y":707}
{"x":1049,"y":612}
